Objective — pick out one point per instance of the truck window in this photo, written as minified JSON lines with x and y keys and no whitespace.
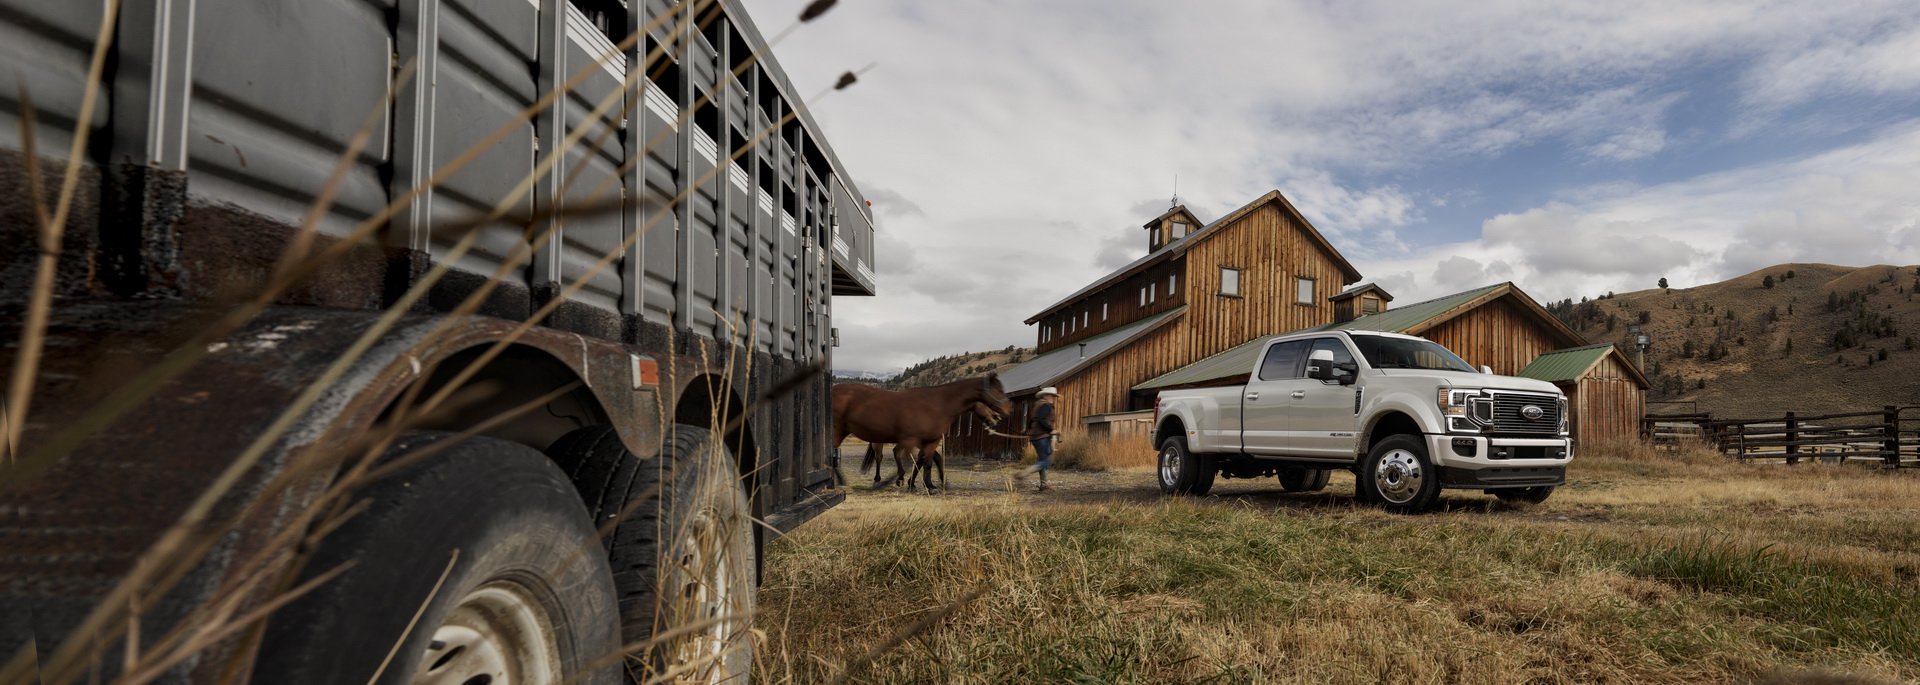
{"x":1383,"y":352}
{"x":1283,"y":361}
{"x":1343,"y":366}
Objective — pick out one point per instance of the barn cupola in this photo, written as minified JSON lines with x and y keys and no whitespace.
{"x":1170,"y":227}
{"x":1359,"y":301}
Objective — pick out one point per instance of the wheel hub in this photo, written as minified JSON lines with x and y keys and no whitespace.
{"x":1398,"y":476}
{"x":498,"y":634}
{"x":1169,"y":465}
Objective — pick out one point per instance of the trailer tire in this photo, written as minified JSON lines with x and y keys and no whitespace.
{"x":1533,"y":495}
{"x":482,"y":542}
{"x":694,"y":491}
{"x":1181,"y":472}
{"x":1398,"y":475}
{"x":1302,"y":479}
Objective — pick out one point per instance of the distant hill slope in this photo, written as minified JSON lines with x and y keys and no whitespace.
{"x":953,"y":367}
{"x":1813,"y":342}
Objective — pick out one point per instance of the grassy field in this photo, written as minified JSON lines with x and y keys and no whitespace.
{"x":1645,"y":569}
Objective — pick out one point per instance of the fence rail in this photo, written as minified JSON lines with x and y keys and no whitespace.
{"x":1889,"y":437}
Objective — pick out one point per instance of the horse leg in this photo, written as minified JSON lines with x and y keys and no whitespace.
{"x":940,"y":460}
{"x":872,"y":461}
{"x":900,"y":464}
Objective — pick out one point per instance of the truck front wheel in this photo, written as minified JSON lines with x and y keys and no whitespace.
{"x":1184,"y":473}
{"x":1398,"y":475}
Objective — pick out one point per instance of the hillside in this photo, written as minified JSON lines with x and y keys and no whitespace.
{"x":953,"y":367}
{"x":1821,"y":338}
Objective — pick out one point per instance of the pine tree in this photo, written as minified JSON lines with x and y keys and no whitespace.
{"x":1883,"y":354}
{"x":1767,"y":282}
{"x":1663,"y":284}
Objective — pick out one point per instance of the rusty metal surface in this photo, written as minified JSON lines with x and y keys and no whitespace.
{"x":69,"y":532}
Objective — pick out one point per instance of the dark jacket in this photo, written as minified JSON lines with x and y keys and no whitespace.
{"x":1040,"y":425}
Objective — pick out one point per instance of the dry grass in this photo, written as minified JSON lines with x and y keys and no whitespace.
{"x":1083,"y":452}
{"x":1647,"y":568}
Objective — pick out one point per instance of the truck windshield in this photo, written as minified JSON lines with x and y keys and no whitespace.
{"x":1408,"y":353}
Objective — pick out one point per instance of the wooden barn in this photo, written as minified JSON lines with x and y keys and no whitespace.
{"x":1606,"y":394}
{"x":1199,"y":289}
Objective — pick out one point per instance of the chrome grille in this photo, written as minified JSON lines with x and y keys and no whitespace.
{"x":1508,"y":416}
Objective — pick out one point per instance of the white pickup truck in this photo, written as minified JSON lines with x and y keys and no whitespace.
{"x":1404,"y":414}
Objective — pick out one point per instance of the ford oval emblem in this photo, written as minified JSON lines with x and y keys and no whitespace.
{"x":1532,"y":413}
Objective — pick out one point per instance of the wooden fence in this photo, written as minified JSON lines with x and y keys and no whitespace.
{"x":1890,"y":437}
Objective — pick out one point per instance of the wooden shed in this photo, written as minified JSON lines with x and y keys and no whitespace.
{"x":1606,"y":394}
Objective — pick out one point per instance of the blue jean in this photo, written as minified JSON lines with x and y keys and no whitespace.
{"x":1043,"y":450}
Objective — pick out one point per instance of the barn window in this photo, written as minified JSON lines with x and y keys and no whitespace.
{"x":1150,"y":291}
{"x":1303,"y":289}
{"x":1103,"y":311}
{"x":1143,"y":297}
{"x":1173,"y":281}
{"x":1086,"y":317}
{"x":1229,"y":281}
{"x":1369,"y":305}
{"x":1179,"y":230}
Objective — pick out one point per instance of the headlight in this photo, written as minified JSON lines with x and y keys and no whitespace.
{"x":1454,"y":402}
{"x":1563,"y":414}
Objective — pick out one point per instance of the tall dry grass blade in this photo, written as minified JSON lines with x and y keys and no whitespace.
{"x":226,"y":629}
{"x":9,"y":437}
{"x":923,"y":625}
{"x":451,"y":561}
{"x":26,"y":365}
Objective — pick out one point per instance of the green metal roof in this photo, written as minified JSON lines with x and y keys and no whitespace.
{"x":1403,"y":319}
{"x":1049,"y":368}
{"x":1238,"y":360}
{"x":1562,"y":366}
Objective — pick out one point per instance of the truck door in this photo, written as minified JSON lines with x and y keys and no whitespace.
{"x":1264,"y":412}
{"x":1324,"y":423}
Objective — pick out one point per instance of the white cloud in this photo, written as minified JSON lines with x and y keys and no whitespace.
{"x":1853,"y":205}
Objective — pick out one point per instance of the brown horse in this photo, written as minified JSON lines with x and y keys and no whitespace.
{"x":913,"y":420}
{"x":872,"y":460}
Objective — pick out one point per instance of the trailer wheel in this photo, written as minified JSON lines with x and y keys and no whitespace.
{"x":708,"y":563}
{"x":1533,"y":495}
{"x":695,"y":582}
{"x":1182,"y":472}
{"x":1398,"y":475}
{"x":1302,"y":479}
{"x":518,"y":602}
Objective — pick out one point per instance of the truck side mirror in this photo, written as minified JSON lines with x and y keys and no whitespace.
{"x":1320,"y":365}
{"x":1486,"y":369}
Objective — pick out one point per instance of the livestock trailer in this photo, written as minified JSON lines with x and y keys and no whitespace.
{"x":368,"y":318}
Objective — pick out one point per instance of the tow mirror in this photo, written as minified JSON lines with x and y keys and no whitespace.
{"x":1320,"y":365}
{"x":1486,"y":369}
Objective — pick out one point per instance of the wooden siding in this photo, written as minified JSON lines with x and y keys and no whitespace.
{"x":1123,"y":301}
{"x":1607,"y":404}
{"x":1496,"y":334}
{"x":1271,"y":248}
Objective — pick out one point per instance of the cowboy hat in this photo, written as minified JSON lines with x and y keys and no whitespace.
{"x":1049,"y":390}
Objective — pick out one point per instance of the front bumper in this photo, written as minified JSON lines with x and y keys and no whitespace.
{"x":1471,"y":461}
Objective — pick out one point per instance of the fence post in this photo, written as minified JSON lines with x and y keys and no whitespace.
{"x":1890,"y":436}
{"x":1793,"y":439}
{"x":1741,"y":446}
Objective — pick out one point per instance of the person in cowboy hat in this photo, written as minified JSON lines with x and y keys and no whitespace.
{"x":1041,"y":433}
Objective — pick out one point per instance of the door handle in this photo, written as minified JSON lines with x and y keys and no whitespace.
{"x":1297,"y":394}
{"x":1253,"y":396}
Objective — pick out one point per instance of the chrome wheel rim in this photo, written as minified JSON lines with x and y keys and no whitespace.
{"x":498,"y":634}
{"x":1169,"y":465}
{"x":1398,"y":476}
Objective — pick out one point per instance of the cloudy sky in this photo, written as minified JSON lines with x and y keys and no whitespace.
{"x":1013,"y":148}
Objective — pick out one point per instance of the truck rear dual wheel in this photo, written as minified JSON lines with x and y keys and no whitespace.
{"x":1183,"y":473}
{"x":1302,"y":479}
{"x":1533,"y":495}
{"x":1398,"y":476}
{"x":465,"y":568}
